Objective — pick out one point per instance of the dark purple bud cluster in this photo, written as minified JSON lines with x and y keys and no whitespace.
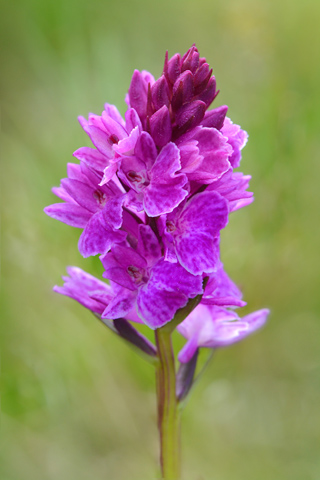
{"x":178,"y":100}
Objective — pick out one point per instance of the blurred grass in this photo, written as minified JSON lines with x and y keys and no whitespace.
{"x":76,"y":404}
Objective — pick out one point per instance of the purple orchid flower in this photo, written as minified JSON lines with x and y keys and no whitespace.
{"x":154,"y":178}
{"x":153,"y":196}
{"x":96,"y":209}
{"x":221,"y":290}
{"x":157,"y":288}
{"x":194,"y":238}
{"x":83,"y":287}
{"x":214,"y":327}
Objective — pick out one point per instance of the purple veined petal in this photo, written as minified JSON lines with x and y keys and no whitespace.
{"x":124,"y":266}
{"x":98,"y":238}
{"x":148,"y":244}
{"x":127,"y":145}
{"x":91,"y":177}
{"x":127,"y":256}
{"x":190,"y":157}
{"x":230,"y":182}
{"x":160,"y":127}
{"x":228,"y":332}
{"x":256,"y":319}
{"x":172,"y":277}
{"x":130,"y":223}
{"x":220,"y":288}
{"x":160,"y":93}
{"x":224,"y":184}
{"x":79,"y":286}
{"x":108,"y":173}
{"x":196,"y":238}
{"x":238,"y":195}
{"x":215,"y":118}
{"x":214,"y":214}
{"x":86,"y":301}
{"x":166,"y":164}
{"x":237,"y":138}
{"x":210,"y":141}
{"x":112,"y":212}
{"x":170,"y":253}
{"x":135,"y":201}
{"x":88,"y":282}
{"x":74,"y":172}
{"x":96,"y":121}
{"x":121,"y":305}
{"x":223,"y":301}
{"x":92,"y":158}
{"x":232,"y":186}
{"x":113,"y":128}
{"x":83,"y":121}
{"x":158,"y":307}
{"x":168,"y":289}
{"x":199,"y":318}
{"x":164,"y":198}
{"x":132,"y":120}
{"x":101,"y":297}
{"x":113,"y":112}
{"x":72,"y":215}
{"x":61,"y":193}
{"x":197,"y":252}
{"x":115,"y":272}
{"x":133,"y":316}
{"x":145,"y":149}
{"x":84,"y":195}
{"x":100,"y":140}
{"x":211,"y":169}
{"x":233,"y":206}
{"x":133,"y":172}
{"x":138,"y":94}
{"x":215,"y":327}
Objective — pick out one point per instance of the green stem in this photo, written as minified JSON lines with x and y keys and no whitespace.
{"x":168,"y":412}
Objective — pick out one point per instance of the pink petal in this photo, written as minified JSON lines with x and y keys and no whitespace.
{"x":68,"y":213}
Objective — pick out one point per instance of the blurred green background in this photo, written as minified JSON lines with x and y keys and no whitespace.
{"x":76,"y":403}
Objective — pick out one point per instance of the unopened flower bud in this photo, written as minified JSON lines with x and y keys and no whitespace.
{"x":138,"y":94}
{"x":215,"y":118}
{"x":189,"y":116}
{"x":160,"y":126}
{"x":208,"y":95}
{"x":160,"y":93}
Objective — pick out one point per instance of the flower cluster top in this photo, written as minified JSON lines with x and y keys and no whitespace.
{"x":151,"y":198}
